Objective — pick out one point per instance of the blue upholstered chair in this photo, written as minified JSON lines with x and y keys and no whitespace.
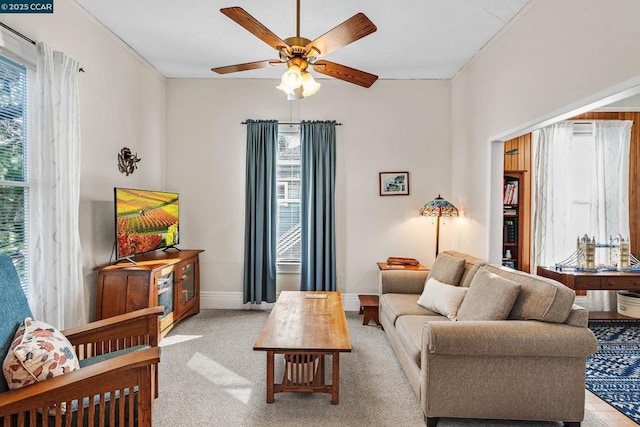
{"x":117,"y":379}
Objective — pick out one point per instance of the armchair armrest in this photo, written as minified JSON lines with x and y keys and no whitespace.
{"x":138,"y":327}
{"x":106,"y":379}
{"x":527,"y":338}
{"x":402,"y":281}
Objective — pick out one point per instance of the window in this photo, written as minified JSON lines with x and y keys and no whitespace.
{"x":15,"y":82}
{"x":288,"y":192}
{"x":582,"y":152}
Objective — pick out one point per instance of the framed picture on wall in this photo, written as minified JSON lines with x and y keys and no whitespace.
{"x":394,"y":183}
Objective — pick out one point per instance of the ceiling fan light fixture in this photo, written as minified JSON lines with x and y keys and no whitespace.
{"x":291,"y":79}
{"x":295,"y":94}
{"x":309,"y":85}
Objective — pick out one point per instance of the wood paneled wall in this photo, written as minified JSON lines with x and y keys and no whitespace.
{"x":520,"y":161}
{"x":634,"y":169}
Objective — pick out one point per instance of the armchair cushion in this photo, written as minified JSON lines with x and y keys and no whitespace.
{"x":13,"y":309}
{"x":38,"y":352}
{"x":97,"y":359}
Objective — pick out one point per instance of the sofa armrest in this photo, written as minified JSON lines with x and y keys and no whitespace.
{"x":527,"y":338}
{"x":402,"y":281}
{"x":138,"y":327}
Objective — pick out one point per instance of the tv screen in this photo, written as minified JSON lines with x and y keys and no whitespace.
{"x":145,"y":221}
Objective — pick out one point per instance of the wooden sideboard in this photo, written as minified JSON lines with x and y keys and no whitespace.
{"x":600,"y":281}
{"x":167,"y":278}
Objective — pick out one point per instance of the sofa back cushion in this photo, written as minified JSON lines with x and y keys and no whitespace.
{"x":539,"y":298}
{"x":490,"y":297}
{"x":471,"y":266}
{"x":447,"y":269}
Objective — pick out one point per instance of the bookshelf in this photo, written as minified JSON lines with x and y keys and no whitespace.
{"x":512,"y":224}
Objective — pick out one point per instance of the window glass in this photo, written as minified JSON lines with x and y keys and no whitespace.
{"x":13,"y":163}
{"x":288,"y":192}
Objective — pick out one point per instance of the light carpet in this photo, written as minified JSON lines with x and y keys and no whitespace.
{"x":613,"y":372}
{"x":210,"y":376}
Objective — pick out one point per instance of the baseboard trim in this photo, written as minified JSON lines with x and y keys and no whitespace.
{"x":233,"y":301}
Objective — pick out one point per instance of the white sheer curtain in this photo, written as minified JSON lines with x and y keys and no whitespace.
{"x":550,"y":203}
{"x":556,"y":210}
{"x":56,"y":291}
{"x":610,"y":194}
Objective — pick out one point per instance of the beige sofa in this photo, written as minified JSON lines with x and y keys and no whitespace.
{"x":530,"y":366}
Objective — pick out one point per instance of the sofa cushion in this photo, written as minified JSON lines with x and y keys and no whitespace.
{"x":409,"y":330}
{"x":442,"y":298}
{"x":490,"y":297}
{"x":394,"y":305}
{"x":471,"y":265}
{"x":447,"y":269}
{"x":539,"y":298}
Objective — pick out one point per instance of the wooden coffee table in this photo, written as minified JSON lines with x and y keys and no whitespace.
{"x":305,"y":327}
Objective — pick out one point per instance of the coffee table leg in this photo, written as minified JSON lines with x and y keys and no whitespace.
{"x":335,"y":375}
{"x":270,"y":375}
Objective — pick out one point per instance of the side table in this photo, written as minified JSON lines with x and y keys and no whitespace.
{"x":369,"y":307}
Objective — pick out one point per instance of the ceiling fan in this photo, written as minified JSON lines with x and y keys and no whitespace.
{"x":299,"y":53}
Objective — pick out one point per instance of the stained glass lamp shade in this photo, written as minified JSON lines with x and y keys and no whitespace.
{"x":436,"y":208}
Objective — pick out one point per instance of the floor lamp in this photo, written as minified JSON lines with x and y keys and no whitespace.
{"x":436,"y":208}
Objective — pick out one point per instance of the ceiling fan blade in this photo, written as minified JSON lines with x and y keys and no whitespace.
{"x":246,"y":66}
{"x":349,"y":31}
{"x":345,"y":73}
{"x":251,"y":24}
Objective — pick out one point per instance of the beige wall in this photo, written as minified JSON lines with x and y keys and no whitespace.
{"x":122,"y":103}
{"x":556,"y":58}
{"x":393,"y":126}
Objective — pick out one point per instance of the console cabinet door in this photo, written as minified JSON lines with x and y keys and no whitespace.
{"x":121,"y":292}
{"x":187,"y":284}
{"x":164,"y":287}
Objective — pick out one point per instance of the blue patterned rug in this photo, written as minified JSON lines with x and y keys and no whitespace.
{"x":613,"y":372}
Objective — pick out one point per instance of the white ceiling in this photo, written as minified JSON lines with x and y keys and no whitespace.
{"x":416,"y":39}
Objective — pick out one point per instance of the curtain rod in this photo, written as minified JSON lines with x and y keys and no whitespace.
{"x":16,"y":33}
{"x":289,"y":123}
{"x":19,"y":34}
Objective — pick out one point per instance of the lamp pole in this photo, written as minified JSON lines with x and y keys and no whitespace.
{"x":437,"y":234}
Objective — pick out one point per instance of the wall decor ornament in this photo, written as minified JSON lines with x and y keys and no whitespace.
{"x":394,"y":183}
{"x":127,"y":162}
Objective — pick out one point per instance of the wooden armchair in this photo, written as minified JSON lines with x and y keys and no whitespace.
{"x":117,"y":379}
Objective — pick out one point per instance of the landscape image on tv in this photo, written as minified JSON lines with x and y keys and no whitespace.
{"x":145,"y":221}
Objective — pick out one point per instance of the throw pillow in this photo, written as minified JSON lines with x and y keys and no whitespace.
{"x":38,"y":352}
{"x":490,"y":297}
{"x":447,"y":269}
{"x":442,"y":298}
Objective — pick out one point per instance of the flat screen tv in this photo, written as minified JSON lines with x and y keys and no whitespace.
{"x":145,"y":221}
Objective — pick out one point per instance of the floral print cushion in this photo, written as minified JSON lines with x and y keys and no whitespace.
{"x":38,"y":352}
